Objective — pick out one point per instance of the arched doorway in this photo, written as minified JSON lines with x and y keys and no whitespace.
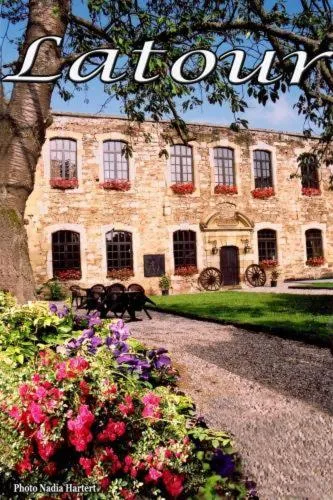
{"x":229,"y":264}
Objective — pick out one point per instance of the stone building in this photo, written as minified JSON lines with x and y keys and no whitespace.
{"x":226,"y":200}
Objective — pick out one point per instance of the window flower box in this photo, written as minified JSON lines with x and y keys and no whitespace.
{"x":224,"y":189}
{"x":60,"y":183}
{"x":183,"y":188}
{"x":311,"y":192}
{"x":268,"y":263}
{"x":122,"y":274}
{"x":263,"y":193}
{"x":68,"y":274}
{"x":186,"y":270}
{"x":315,"y":261}
{"x":116,"y":185}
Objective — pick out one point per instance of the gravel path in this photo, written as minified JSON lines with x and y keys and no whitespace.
{"x":274,"y":395}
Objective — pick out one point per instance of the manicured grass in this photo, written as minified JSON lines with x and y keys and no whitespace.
{"x":302,"y":317}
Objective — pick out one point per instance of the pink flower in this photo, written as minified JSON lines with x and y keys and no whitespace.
{"x":46,"y":448}
{"x":151,"y":399}
{"x":104,"y":483}
{"x":153,"y":475}
{"x":78,"y":364}
{"x":15,"y":413}
{"x":36,"y":413}
{"x":79,"y":427}
{"x":50,"y":468}
{"x":173,"y":483}
{"x":127,"y":408}
{"x":87,"y":465}
{"x":112,"y":431}
{"x":127,"y":494}
{"x":25,"y":465}
{"x":150,"y":411}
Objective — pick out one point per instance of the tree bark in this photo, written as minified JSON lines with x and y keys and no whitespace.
{"x":24,"y":121}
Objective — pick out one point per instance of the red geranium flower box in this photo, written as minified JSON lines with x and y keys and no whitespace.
{"x":183,"y":188}
{"x":263,"y":193}
{"x":311,"y":192}
{"x":224,"y":189}
{"x":68,"y":274}
{"x":59,"y":183}
{"x":315,"y":261}
{"x":186,"y":270}
{"x":269,"y":263}
{"x":116,"y":185}
{"x":122,"y":274}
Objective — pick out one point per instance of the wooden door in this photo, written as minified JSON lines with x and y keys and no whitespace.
{"x":229,"y":264}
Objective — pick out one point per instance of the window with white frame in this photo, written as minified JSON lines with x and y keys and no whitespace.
{"x":115,"y":162}
{"x":63,"y":158}
{"x":314,"y":243}
{"x":267,"y":247}
{"x":224,"y":166}
{"x":263,"y":173}
{"x":181,"y":162}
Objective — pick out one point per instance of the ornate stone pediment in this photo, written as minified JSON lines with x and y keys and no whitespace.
{"x":227,"y":218}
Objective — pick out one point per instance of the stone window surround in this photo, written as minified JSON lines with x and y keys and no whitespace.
{"x":169,"y":258}
{"x":196,"y":159}
{"x":299,"y":151}
{"x":135,"y":246}
{"x":271,"y":149}
{"x":78,"y":228}
{"x":314,"y":225}
{"x":64,"y":134}
{"x":114,"y":136}
{"x":278,"y":230}
{"x":225,"y":143}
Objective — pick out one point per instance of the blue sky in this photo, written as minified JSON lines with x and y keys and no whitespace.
{"x":280,"y":116}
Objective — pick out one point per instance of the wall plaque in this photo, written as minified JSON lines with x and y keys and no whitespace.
{"x":154,"y":265}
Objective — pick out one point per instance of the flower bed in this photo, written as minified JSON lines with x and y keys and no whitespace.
{"x":224,"y":189}
{"x":103,"y":411}
{"x":123,"y":274}
{"x":311,"y":192}
{"x":267,"y":263}
{"x":68,"y":274}
{"x":315,"y":261}
{"x":186,"y":270}
{"x":116,"y":185}
{"x":183,"y":188}
{"x":263,"y":193}
{"x":59,"y":183}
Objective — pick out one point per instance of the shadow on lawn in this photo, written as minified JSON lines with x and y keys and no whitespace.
{"x":289,"y":368}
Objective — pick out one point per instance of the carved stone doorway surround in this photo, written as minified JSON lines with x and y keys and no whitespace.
{"x":228,"y":227}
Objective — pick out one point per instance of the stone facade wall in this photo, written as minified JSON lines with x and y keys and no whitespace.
{"x":151,"y":211}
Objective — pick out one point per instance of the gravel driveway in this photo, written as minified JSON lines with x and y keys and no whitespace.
{"x":274,"y":395}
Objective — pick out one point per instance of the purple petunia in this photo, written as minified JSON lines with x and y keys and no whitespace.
{"x":222,"y":464}
{"x":53,"y":308}
{"x":159,"y":359}
{"x":119,"y":330}
{"x":94,"y":319}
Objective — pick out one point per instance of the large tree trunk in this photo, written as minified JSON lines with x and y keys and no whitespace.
{"x":23,"y":124}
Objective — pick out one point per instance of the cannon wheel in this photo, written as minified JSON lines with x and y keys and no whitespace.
{"x":255,"y":275}
{"x":211,"y":279}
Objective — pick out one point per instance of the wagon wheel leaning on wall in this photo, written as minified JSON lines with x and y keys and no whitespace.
{"x":255,"y":275}
{"x":211,"y":279}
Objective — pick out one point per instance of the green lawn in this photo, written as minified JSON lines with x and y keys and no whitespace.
{"x":302,"y":317}
{"x":310,"y":285}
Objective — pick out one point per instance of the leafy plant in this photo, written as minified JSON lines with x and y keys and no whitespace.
{"x":164,"y":282}
{"x":275,"y":274}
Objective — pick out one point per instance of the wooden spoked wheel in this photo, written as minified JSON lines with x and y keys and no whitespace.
{"x":211,"y":279}
{"x":255,"y":275}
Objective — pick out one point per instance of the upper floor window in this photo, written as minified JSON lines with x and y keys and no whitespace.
{"x":267,"y":247}
{"x":224,"y":169}
{"x":309,"y":174}
{"x":115,"y":163}
{"x":63,"y":158}
{"x":181,"y":161}
{"x":184,"y":248}
{"x":262,"y":169}
{"x":119,"y":250}
{"x":66,"y":256}
{"x":314,"y":243}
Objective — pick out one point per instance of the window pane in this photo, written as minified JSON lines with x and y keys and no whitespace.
{"x":119,"y":250}
{"x":309,"y":174}
{"x":262,"y":169}
{"x":267,"y":244}
{"x":114,"y":161}
{"x":66,"y":250}
{"x":314,"y":243}
{"x":184,"y":248}
{"x":181,"y":163}
{"x":63,"y":158}
{"x":224,"y":166}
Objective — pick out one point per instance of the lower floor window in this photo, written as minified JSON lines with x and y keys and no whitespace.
{"x":66,"y":252}
{"x":267,"y":244}
{"x":184,"y":248}
{"x":314,"y":243}
{"x":119,"y":250}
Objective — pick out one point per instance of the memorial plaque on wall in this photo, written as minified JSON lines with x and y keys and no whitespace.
{"x":154,"y":265}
